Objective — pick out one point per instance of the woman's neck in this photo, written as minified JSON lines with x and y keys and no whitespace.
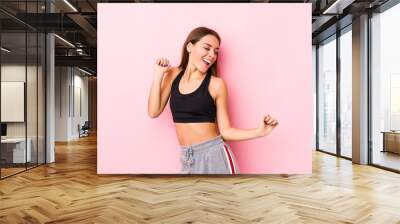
{"x":191,"y":73}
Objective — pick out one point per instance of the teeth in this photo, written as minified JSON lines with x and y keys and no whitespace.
{"x":207,"y":61}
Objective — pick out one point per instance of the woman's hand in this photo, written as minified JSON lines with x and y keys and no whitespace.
{"x":162,"y":66}
{"x":267,"y":125}
{"x":160,"y":88}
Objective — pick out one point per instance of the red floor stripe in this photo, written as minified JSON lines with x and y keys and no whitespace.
{"x":230,"y":160}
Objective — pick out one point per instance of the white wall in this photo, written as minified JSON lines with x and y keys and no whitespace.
{"x":71,"y":93}
{"x":81,"y":102}
{"x":62,"y":81}
{"x":33,"y":127}
{"x":16,"y":73}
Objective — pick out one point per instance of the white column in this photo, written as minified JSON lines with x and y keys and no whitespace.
{"x":50,"y":92}
{"x":360,"y":90}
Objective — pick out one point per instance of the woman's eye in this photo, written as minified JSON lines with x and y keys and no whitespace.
{"x":207,"y":49}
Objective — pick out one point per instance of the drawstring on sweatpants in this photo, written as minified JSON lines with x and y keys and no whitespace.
{"x":188,"y":159}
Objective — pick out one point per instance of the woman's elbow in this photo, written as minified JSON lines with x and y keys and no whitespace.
{"x":224,"y":133}
{"x":153,"y":114}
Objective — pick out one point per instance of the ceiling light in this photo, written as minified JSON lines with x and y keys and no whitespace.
{"x":64,"y":40}
{"x":337,"y":7}
{"x":70,"y":5}
{"x":5,"y":49}
{"x":84,"y":71}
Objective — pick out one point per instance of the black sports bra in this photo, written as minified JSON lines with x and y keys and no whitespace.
{"x":194,"y":107}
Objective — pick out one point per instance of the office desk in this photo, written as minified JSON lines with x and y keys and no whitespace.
{"x":391,"y":141}
{"x":15,"y":148}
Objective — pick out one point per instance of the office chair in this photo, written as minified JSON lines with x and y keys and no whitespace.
{"x":84,"y":130}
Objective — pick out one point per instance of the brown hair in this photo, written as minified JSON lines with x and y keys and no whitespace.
{"x":193,"y":37}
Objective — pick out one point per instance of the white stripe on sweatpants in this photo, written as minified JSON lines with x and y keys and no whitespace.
{"x":229,"y":159}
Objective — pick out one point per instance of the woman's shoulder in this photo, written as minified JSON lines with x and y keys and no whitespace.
{"x":173,"y":73}
{"x":217,"y":85}
{"x":217,"y":81}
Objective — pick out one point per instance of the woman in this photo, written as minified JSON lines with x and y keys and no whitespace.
{"x":199,"y":106}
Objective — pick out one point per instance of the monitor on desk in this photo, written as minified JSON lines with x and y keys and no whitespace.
{"x":3,"y":130}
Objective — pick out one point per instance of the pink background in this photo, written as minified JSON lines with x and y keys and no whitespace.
{"x":265,"y":60}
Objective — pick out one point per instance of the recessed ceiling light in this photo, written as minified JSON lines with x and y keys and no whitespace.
{"x":337,"y":7}
{"x":84,"y":71}
{"x":70,"y":5}
{"x":64,"y":40}
{"x":5,"y":49}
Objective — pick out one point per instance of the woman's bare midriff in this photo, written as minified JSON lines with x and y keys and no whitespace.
{"x":194,"y":133}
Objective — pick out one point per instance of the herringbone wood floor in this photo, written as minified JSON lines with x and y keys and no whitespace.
{"x":70,"y":191}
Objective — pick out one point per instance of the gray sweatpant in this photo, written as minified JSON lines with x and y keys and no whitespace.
{"x":213,"y":156}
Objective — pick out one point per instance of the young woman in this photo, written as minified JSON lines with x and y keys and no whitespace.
{"x":199,"y":106}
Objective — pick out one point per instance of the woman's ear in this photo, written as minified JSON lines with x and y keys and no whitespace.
{"x":189,"y":47}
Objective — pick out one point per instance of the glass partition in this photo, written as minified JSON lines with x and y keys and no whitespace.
{"x":346,"y":93}
{"x":385,"y":89}
{"x":13,"y":109}
{"x":327,"y":95}
{"x":22,"y":63}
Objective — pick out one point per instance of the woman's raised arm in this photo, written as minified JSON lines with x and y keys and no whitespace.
{"x":160,"y":87}
{"x":267,"y":124}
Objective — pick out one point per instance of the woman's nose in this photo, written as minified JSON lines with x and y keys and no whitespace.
{"x":211,"y":55}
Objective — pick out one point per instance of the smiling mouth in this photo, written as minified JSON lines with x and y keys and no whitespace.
{"x":207,"y":62}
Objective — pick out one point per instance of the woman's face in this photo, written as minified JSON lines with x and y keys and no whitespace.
{"x":204,"y":52}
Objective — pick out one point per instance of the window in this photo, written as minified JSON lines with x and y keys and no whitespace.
{"x":327,"y":95}
{"x":346,"y":92}
{"x":385,"y":88}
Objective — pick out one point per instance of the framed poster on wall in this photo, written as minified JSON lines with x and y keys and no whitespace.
{"x":12,"y":101}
